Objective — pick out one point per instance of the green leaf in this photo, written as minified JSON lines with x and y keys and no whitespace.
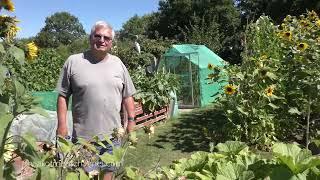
{"x":2,"y":50}
{"x":161,"y":87}
{"x":4,"y":121}
{"x":47,"y":173}
{"x":107,"y":158}
{"x":64,"y":145}
{"x":28,"y":149}
{"x":240,"y":109}
{"x":247,"y":160}
{"x":232,"y":171}
{"x":247,"y":175}
{"x":281,"y":172}
{"x":72,"y":176}
{"x":273,"y":106}
{"x":131,"y":173}
{"x":296,"y":159}
{"x":4,"y":109}
{"x":114,"y":158}
{"x":294,"y":111}
{"x":232,"y":147}
{"x":88,"y":145}
{"x":83,"y":175}
{"x":240,"y":75}
{"x":118,"y":154}
{"x":107,"y":138}
{"x":3,"y":71}
{"x":271,"y":76}
{"x":20,"y":90}
{"x":38,"y":110}
{"x":202,"y":176}
{"x":17,"y":53}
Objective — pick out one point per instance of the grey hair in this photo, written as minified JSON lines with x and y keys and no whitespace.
{"x":102,"y":24}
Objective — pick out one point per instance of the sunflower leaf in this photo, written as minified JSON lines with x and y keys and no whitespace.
{"x":294,"y":111}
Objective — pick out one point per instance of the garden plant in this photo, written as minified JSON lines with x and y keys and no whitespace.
{"x":274,"y":94}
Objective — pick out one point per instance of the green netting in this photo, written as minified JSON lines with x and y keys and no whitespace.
{"x":48,"y":99}
{"x":208,"y":90}
{"x":190,"y":63}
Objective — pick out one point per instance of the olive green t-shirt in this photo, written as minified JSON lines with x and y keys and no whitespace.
{"x":97,"y":89}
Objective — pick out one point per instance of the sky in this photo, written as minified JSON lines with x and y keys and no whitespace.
{"x":32,"y":13}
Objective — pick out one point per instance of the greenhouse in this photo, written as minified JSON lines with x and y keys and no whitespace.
{"x":190,"y":63}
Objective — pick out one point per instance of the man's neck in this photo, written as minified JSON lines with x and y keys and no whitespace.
{"x":99,"y":56}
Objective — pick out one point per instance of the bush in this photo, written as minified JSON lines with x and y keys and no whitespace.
{"x":43,"y":73}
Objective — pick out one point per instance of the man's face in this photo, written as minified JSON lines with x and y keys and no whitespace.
{"x":101,"y":40}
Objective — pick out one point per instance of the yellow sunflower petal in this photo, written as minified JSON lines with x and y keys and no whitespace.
{"x":229,"y":89}
{"x":302,"y":46}
{"x":32,"y":51}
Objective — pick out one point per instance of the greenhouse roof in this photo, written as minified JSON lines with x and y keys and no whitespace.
{"x":206,"y":56}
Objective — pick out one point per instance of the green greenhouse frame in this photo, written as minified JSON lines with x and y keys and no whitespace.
{"x":190,"y":63}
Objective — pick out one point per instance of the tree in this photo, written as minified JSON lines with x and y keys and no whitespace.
{"x":60,"y":28}
{"x":198,"y":34}
{"x":137,"y":25}
{"x":276,"y":9}
{"x":197,"y":21}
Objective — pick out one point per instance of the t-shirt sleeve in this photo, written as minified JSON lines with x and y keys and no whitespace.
{"x":128,"y":89}
{"x":64,"y":83}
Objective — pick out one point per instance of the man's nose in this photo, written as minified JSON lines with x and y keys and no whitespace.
{"x":101,"y":39}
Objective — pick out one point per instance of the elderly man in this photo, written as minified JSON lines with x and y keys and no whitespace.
{"x":99,"y":83}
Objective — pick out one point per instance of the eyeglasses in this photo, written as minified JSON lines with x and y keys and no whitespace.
{"x":97,"y":37}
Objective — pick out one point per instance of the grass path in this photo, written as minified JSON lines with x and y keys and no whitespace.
{"x":173,"y":139}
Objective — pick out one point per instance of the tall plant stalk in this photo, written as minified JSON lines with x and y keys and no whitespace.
{"x":308,"y":123}
{"x":3,"y":142}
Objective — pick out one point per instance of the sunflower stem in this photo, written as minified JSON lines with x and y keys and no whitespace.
{"x":308,"y":123}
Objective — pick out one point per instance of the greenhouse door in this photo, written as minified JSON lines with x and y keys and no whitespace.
{"x":188,"y":96}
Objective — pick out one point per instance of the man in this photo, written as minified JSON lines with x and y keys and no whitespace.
{"x":99,"y":83}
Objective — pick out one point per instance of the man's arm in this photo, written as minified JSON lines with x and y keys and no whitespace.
{"x":62,"y":107}
{"x":129,"y":105}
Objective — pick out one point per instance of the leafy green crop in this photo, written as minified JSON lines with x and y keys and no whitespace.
{"x":233,"y":161}
{"x":154,"y":91}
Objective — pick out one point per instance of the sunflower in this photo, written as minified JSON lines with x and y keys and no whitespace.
{"x":260,"y":64}
{"x":287,"y":35}
{"x":229,"y":89}
{"x":302,"y":46}
{"x":318,"y":23}
{"x":12,"y":32}
{"x":304,"y":23}
{"x":32,"y":51}
{"x":263,"y":57}
{"x":210,"y":66}
{"x":9,"y":27}
{"x":269,"y":90}
{"x":7,"y":4}
{"x":312,"y":15}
